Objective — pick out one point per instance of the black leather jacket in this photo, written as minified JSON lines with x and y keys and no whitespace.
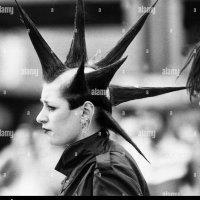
{"x":98,"y":166}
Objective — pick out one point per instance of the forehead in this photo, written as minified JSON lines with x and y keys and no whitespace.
{"x":51,"y":91}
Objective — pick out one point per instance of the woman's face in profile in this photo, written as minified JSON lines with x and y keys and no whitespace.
{"x":61,"y":124}
{"x":58,"y":121}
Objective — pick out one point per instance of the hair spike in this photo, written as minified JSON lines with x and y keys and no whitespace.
{"x":121,"y":94}
{"x":78,"y":84}
{"x":117,"y":52}
{"x":102,"y":77}
{"x":52,"y":67}
{"x":108,"y":121}
{"x":78,"y":50}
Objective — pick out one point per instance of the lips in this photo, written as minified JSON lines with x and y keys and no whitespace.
{"x":46,"y":130}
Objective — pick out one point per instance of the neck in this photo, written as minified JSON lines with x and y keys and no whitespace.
{"x":93,"y":128}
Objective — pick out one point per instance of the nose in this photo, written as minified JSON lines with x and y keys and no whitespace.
{"x":42,"y":118}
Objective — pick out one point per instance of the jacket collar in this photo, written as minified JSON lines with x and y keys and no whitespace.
{"x":78,"y":152}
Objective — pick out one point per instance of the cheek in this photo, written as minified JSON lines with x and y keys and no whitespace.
{"x":66,"y":123}
{"x":60,"y":118}
{"x":67,"y":130}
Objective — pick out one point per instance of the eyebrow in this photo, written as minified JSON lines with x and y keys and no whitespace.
{"x":44,"y":101}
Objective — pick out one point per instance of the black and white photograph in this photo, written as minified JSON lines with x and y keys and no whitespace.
{"x":99,"y":98}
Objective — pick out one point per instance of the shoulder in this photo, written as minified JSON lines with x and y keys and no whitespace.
{"x":116,"y":154}
{"x":117,"y":170}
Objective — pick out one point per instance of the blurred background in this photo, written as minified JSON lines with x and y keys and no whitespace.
{"x":166,"y":128}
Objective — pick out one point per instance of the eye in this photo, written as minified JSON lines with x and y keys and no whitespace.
{"x":51,"y":108}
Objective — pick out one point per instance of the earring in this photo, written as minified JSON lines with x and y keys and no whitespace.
{"x":84,"y":122}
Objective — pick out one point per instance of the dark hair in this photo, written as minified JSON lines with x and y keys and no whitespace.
{"x":100,"y":102}
{"x":76,"y":101}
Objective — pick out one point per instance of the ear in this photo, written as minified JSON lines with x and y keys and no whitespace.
{"x":88,"y":110}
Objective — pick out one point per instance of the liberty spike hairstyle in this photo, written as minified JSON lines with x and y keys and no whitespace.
{"x":79,"y":89}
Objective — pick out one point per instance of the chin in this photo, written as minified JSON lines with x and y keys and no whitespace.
{"x":53,"y":140}
{"x":57,"y":142}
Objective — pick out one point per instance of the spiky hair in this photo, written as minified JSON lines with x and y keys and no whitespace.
{"x":80,"y":88}
{"x":193,"y":82}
